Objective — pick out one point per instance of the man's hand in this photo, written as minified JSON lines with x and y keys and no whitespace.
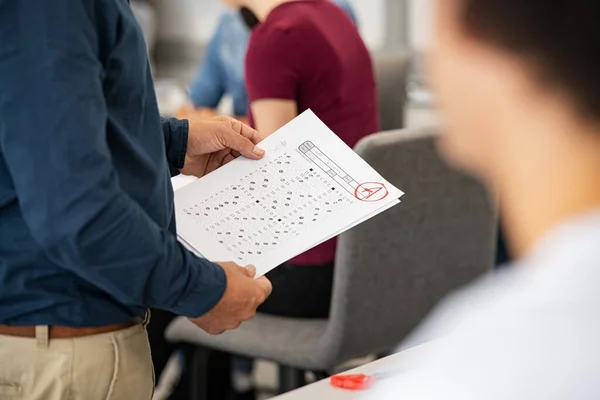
{"x":216,"y":141}
{"x":239,"y":303}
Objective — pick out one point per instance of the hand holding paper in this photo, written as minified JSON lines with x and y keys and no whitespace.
{"x":213,"y":142}
{"x":240,"y":301}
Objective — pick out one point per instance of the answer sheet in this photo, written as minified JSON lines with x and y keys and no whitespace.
{"x":309,"y":187}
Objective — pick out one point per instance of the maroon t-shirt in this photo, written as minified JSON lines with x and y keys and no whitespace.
{"x":311,"y":52}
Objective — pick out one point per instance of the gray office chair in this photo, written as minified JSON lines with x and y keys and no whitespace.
{"x":391,"y":74}
{"x":389,"y":271}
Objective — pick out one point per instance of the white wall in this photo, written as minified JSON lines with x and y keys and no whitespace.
{"x":372,"y":19}
{"x":195,"y":20}
{"x":190,"y":20}
{"x":420,"y":23}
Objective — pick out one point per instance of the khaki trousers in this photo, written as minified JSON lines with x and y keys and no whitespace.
{"x":108,"y":366}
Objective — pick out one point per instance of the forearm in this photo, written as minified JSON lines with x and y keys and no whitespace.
{"x":57,"y":144}
{"x":82,"y":219}
{"x":272,"y":114}
{"x":124,"y":253}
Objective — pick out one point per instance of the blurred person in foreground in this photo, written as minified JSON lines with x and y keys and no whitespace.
{"x":222,"y":69}
{"x":87,"y":233}
{"x":518,"y":89}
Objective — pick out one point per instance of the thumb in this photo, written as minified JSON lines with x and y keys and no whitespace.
{"x":249,"y":270}
{"x":265,"y":285}
{"x":241,"y":144}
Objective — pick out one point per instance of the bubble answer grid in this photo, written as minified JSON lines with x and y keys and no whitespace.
{"x":265,"y":209}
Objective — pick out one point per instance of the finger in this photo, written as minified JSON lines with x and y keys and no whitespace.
{"x":249,"y":133}
{"x":249,"y":270}
{"x":234,"y":141}
{"x":266,"y":285}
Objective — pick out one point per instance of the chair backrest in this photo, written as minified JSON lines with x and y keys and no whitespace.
{"x":391,"y":74}
{"x":392,"y":269}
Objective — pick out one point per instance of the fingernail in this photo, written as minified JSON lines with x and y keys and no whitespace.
{"x":258,"y":151}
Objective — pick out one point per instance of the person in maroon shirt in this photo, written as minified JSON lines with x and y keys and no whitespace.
{"x":307,"y":54}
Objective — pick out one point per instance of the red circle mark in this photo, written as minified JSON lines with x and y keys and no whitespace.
{"x":371,"y":191}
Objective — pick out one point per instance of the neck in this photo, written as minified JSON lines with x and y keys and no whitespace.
{"x":262,"y":8}
{"x":557,"y":181}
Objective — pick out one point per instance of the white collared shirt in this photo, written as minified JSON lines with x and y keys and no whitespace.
{"x":529,"y":332}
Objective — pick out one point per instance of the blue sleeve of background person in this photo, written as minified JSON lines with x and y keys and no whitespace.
{"x":208,"y":87}
{"x":53,"y":139}
{"x":346,"y":6}
{"x":238,"y":36}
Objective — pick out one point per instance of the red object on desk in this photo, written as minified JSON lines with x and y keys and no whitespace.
{"x":352,"y":382}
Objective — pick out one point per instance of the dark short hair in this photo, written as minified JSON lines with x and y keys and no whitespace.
{"x":560,"y":38}
{"x":249,"y":18}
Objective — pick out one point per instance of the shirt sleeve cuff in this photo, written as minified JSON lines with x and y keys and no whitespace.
{"x":211,"y":286}
{"x":178,"y":140}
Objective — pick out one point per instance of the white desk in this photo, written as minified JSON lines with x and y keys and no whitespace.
{"x":323,"y":389}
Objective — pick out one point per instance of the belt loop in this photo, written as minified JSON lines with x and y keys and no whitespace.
{"x":41,"y":336}
{"x":146,"y":320}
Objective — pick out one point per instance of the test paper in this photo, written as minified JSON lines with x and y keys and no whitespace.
{"x":309,"y":187}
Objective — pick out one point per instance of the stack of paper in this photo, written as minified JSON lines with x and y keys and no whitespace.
{"x":309,"y":187}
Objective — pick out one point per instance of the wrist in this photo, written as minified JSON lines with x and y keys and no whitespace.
{"x":211,"y":284}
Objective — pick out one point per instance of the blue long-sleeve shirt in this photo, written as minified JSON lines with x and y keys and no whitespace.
{"x":222,"y":69}
{"x":86,"y":205}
